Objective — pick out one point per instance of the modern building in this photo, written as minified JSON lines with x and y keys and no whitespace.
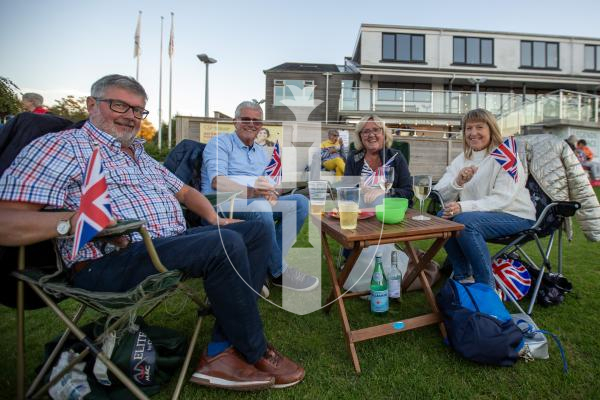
{"x":421,"y":80}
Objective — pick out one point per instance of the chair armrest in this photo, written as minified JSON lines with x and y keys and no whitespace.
{"x":122,"y":227}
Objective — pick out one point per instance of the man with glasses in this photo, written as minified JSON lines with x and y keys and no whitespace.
{"x":48,"y":174}
{"x":234,"y":162}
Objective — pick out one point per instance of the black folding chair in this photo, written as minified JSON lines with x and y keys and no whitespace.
{"x":120,"y":308}
{"x":550,"y":219}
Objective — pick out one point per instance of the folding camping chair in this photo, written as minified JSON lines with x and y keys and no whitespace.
{"x":120,"y":309}
{"x":550,"y":218}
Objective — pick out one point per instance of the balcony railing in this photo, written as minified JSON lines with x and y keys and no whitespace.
{"x":426,"y":101}
{"x":558,"y":105}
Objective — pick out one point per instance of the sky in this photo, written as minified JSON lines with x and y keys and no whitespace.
{"x":60,"y":47}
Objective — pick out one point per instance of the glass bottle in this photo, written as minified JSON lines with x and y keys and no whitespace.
{"x":379,"y":289}
{"x":395,"y":279}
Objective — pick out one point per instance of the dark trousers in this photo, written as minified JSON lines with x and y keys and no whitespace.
{"x":230,"y":260}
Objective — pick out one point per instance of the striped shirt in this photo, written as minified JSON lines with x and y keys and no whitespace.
{"x":50,"y":170}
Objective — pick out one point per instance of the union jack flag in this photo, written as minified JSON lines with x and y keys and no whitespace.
{"x":514,"y":276}
{"x":376,"y":176}
{"x":506,"y":155}
{"x":94,"y":207}
{"x":273,"y":169}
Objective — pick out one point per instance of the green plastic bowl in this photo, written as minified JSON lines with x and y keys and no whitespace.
{"x":392,"y":210}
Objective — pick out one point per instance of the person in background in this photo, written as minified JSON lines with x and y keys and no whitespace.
{"x":588,"y":162}
{"x":373,"y":150}
{"x":483,"y":197}
{"x":262,"y":138}
{"x":331,"y":153}
{"x":33,"y":102}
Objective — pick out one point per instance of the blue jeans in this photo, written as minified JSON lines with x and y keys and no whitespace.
{"x":216,"y":256}
{"x":292,"y":207}
{"x":469,"y":253}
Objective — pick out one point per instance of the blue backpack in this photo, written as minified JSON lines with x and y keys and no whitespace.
{"x":479,"y":327}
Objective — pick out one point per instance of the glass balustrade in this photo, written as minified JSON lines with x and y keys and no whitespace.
{"x":513,"y":111}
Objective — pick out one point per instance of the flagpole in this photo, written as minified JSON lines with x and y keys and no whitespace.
{"x":160,"y":87}
{"x":137,"y":45}
{"x":171,"y":49}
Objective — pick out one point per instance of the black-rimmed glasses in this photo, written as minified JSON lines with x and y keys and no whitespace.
{"x":367,"y":132}
{"x":121,"y":107}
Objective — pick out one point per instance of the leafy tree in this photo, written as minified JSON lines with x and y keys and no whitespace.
{"x":9,"y":100}
{"x":147,"y":131}
{"x":70,"y":107}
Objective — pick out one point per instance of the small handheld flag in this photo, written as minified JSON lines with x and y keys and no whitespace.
{"x":273,"y":169}
{"x":94,"y":208}
{"x":506,"y":155}
{"x":514,"y":276}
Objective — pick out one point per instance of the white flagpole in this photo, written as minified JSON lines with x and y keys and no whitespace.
{"x":171,"y":51}
{"x":137,"y":49}
{"x":160,"y":87}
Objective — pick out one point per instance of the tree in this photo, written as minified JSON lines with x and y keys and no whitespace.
{"x":71,"y":108}
{"x":147,"y":131}
{"x":9,"y":100}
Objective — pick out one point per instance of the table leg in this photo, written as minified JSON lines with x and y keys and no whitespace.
{"x":420,"y":264}
{"x":339,"y":299}
{"x":341,"y":279}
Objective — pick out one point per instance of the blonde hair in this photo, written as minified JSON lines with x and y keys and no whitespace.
{"x":379,"y":123}
{"x":481,"y":115}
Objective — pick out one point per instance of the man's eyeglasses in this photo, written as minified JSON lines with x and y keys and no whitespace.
{"x":251,"y":121}
{"x":121,"y":107}
{"x":367,"y":132}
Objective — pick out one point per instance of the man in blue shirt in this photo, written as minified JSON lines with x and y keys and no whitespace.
{"x":233,"y":162}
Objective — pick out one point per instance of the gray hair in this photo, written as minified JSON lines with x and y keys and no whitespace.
{"x":35,"y":98}
{"x":247,"y":104}
{"x":121,"y":81}
{"x":389,"y":139}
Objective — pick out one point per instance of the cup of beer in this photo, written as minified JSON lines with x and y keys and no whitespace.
{"x":317,"y":191}
{"x":348,"y":199}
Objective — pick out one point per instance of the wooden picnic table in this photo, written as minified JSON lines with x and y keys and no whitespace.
{"x":372,"y":232}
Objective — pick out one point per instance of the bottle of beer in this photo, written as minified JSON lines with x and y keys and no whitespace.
{"x":379,"y":289}
{"x":395,"y":279}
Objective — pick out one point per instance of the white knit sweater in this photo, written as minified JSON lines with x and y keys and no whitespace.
{"x":490,"y":189}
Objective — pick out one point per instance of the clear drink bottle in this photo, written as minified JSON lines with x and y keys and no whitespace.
{"x":379,"y":289}
{"x":395,"y":279}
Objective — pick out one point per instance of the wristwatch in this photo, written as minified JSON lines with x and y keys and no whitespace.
{"x":63,"y":227}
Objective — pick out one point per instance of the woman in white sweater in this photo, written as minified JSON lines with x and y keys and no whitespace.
{"x":483,"y":197}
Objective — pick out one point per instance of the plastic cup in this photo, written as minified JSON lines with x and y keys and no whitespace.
{"x":348,"y":200}
{"x":318,"y":194}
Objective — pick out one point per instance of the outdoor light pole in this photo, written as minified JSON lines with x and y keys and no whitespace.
{"x":476,"y":82}
{"x":206,"y":60}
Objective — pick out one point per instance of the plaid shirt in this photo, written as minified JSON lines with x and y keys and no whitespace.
{"x":50,"y":171}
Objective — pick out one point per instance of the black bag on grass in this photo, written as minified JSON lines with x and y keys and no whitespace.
{"x":149,"y":357}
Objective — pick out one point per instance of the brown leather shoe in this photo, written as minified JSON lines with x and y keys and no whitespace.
{"x":229,"y":370}
{"x":286,"y":372}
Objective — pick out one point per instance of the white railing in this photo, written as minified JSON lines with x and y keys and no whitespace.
{"x":557,"y":105}
{"x":426,"y":101}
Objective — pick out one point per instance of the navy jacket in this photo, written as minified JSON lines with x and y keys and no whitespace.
{"x":185,"y":161}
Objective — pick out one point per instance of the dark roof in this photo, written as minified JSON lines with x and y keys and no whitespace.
{"x":305,"y":67}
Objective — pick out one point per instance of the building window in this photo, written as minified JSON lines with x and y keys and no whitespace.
{"x":473,"y":51}
{"x":542,"y":55}
{"x":301,"y":88}
{"x":403,"y":47}
{"x":592,"y":58}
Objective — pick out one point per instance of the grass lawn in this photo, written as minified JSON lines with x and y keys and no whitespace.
{"x":415,"y":364}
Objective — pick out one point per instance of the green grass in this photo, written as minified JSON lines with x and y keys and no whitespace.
{"x":414,"y":364}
